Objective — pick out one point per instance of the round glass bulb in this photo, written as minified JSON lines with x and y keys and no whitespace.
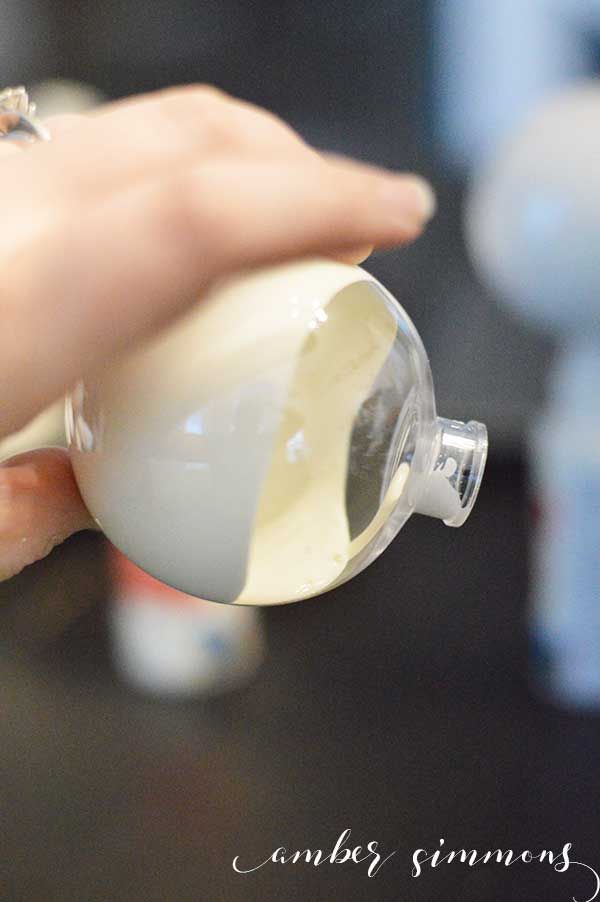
{"x":270,"y":444}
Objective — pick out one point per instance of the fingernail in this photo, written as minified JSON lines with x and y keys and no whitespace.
{"x":411,"y":194}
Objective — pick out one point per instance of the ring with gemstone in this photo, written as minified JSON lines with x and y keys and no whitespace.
{"x":17,"y":118}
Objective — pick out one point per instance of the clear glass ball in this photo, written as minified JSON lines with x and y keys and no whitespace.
{"x":271,"y":444}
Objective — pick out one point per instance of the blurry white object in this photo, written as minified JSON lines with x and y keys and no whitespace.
{"x":496,"y":61}
{"x":533,"y":227}
{"x":62,"y":95}
{"x":565,"y":451}
{"x":171,"y":644}
{"x":533,"y":218}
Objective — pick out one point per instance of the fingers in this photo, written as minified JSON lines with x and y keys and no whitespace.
{"x":40,"y":506}
{"x":147,"y":138}
{"x":200,"y":118}
{"x":293,"y":210}
{"x":125,"y":268}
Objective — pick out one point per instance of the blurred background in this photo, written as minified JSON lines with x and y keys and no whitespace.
{"x":400,"y":705}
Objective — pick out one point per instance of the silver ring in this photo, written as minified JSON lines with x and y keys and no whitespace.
{"x":17,"y":118}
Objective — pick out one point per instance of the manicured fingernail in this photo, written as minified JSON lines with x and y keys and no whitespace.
{"x":426,"y":199}
{"x":411,"y":195}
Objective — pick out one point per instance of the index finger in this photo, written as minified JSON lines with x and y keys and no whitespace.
{"x":96,"y":283}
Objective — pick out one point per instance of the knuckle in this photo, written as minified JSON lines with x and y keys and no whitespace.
{"x":203,"y":113}
{"x":197,"y":93}
{"x":207,"y":115}
{"x":267,"y":130}
{"x":267,"y":119}
{"x":206,"y":93}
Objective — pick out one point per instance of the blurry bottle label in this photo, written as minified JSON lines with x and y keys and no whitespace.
{"x":171,"y":643}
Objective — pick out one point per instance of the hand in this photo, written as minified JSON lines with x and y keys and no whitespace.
{"x":111,"y":229}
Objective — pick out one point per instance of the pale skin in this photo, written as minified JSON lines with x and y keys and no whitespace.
{"x":111,"y":229}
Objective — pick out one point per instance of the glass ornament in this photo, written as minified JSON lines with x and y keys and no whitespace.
{"x":271,"y":443}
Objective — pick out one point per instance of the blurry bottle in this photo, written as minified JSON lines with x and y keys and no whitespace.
{"x":56,"y":96}
{"x":565,"y":463}
{"x":533,"y":225}
{"x":170,"y":644}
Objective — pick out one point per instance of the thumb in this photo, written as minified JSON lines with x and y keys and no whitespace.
{"x":40,"y":506}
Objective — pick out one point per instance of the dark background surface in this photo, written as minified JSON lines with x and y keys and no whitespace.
{"x":399,"y":705}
